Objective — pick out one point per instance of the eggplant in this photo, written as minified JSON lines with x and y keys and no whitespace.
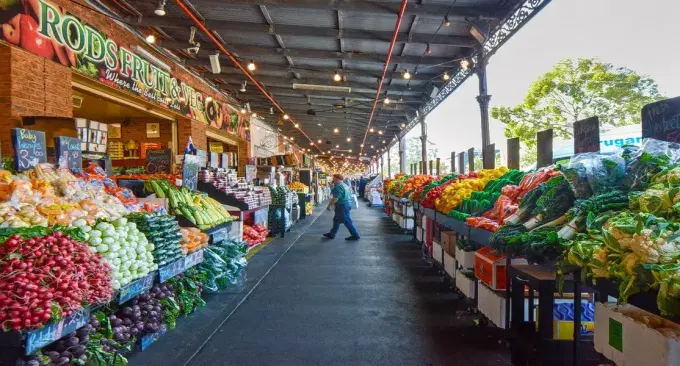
{"x":127,"y":311}
{"x":66,"y":354}
{"x":33,"y":363}
{"x":63,"y":361}
{"x":53,"y":355}
{"x":84,"y":339}
{"x":127,"y":321}
{"x":72,"y":341}
{"x":78,"y":351}
{"x":134,"y":331}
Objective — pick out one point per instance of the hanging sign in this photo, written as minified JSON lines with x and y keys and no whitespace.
{"x":158,"y":161}
{"x":214,"y":160}
{"x":50,"y":31}
{"x":69,"y":153}
{"x":29,"y":148}
{"x":216,"y":147}
{"x":587,"y":135}
{"x":250,"y":172}
{"x":192,"y":165}
{"x":661,"y":120}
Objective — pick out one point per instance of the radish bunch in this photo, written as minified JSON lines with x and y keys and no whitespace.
{"x":48,"y":277}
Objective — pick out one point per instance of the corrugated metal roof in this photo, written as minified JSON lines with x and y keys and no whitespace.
{"x":311,"y":43}
{"x":306,"y":17}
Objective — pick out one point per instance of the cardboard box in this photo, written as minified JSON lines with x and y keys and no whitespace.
{"x":490,"y":268}
{"x":437,"y":252}
{"x":465,"y":259}
{"x":448,"y":240}
{"x":621,"y":338}
{"x":465,"y":285}
{"x":449,"y":264}
{"x":491,"y":304}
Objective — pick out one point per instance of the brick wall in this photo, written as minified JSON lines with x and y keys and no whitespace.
{"x":195,"y":129}
{"x":30,"y":86}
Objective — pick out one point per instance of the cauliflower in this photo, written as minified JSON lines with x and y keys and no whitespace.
{"x":619,"y":230}
{"x":598,"y":264}
{"x":653,"y":246}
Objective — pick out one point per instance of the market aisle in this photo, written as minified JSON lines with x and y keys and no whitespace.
{"x":374,"y":301}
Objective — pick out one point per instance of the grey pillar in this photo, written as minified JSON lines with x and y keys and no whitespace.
{"x":382,"y":165}
{"x":483,"y":100}
{"x":453,"y":161}
{"x":423,"y":140}
{"x":438,"y":170}
{"x":389,"y":164}
{"x":402,"y":155}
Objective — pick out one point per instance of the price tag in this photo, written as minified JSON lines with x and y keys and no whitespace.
{"x":69,"y":153}
{"x":616,"y":334}
{"x":587,"y":135}
{"x":135,"y":288}
{"x":661,"y":120}
{"x":29,"y":148}
{"x":158,"y":161}
{"x":150,"y":339}
{"x":171,"y":270}
{"x":193,"y":259}
{"x":220,"y":235}
{"x":52,"y":332}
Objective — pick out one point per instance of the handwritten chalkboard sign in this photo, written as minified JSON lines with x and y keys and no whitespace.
{"x":158,"y":161}
{"x":37,"y":339}
{"x":513,"y":153}
{"x":214,"y":160}
{"x":544,"y":148}
{"x":587,"y":135}
{"x":192,"y":164}
{"x":135,"y":288}
{"x":661,"y":120}
{"x":224,"y":162}
{"x":29,"y":148}
{"x":69,"y":153}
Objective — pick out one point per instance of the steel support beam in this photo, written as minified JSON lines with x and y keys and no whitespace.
{"x":483,"y":99}
{"x":287,"y":83}
{"x":326,"y":74}
{"x":402,"y":155}
{"x":423,"y":141}
{"x":362,"y":6}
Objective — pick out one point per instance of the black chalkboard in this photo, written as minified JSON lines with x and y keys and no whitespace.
{"x":192,"y":165}
{"x":587,"y":135}
{"x":513,"y":153}
{"x":224,"y":163}
{"x":158,"y":161}
{"x":661,"y":120}
{"x":214,"y":160}
{"x":29,"y":148}
{"x":68,"y":152}
{"x":544,"y":148}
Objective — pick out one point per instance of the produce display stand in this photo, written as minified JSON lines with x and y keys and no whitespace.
{"x":14,"y":345}
{"x":282,"y":228}
{"x":303,"y":198}
{"x":533,"y":341}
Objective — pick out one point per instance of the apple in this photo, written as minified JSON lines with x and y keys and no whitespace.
{"x":12,"y":31}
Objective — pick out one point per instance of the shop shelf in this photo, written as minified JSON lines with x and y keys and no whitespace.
{"x":480,"y":236}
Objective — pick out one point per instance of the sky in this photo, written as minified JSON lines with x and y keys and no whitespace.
{"x":639,"y":35}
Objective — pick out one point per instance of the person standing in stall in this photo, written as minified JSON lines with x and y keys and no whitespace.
{"x":362,"y":186}
{"x":342,"y":199}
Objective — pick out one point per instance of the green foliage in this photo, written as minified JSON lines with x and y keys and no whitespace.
{"x":574,"y":90}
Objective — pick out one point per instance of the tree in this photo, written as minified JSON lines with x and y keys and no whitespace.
{"x":575,"y":90}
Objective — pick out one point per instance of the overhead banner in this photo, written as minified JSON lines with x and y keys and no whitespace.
{"x":49,"y":31}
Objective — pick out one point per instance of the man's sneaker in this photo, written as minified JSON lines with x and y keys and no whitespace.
{"x":329,"y":235}
{"x":352,"y":238}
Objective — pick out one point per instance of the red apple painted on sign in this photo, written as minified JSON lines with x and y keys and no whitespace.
{"x":33,"y":41}
{"x":11,"y":31}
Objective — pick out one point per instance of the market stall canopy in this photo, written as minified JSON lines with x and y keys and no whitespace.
{"x":322,"y":60}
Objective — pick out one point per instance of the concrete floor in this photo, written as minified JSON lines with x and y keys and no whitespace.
{"x":314,"y":301}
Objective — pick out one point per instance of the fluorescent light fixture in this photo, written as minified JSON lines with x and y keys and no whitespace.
{"x":215,"y":63}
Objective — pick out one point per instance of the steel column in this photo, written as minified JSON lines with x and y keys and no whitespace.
{"x":423,"y":140}
{"x":389,"y":164}
{"x":483,"y":100}
{"x":402,"y":155}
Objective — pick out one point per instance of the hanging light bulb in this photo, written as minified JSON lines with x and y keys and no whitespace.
{"x":447,"y":22}
{"x":428,"y":50}
{"x":151,"y":38}
{"x":285,"y":116}
{"x":252,"y":66}
{"x":406,"y":75}
{"x":292,"y":138}
{"x":318,"y":141}
{"x":160,"y":10}
{"x":243,"y":110}
{"x":362,"y":145}
{"x":464,"y":64}
{"x":372,"y":129}
{"x":311,"y":144}
{"x":254,"y":115}
{"x":337,"y":146}
{"x":372,"y":147}
{"x":387,"y":100}
{"x":337,"y":77}
{"x":297,"y":125}
{"x":446,"y":76}
{"x":380,"y":132}
{"x":336,"y":130}
{"x":403,"y":125}
{"x":349,"y":139}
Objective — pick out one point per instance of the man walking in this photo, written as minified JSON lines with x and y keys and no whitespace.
{"x":342,"y":197}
